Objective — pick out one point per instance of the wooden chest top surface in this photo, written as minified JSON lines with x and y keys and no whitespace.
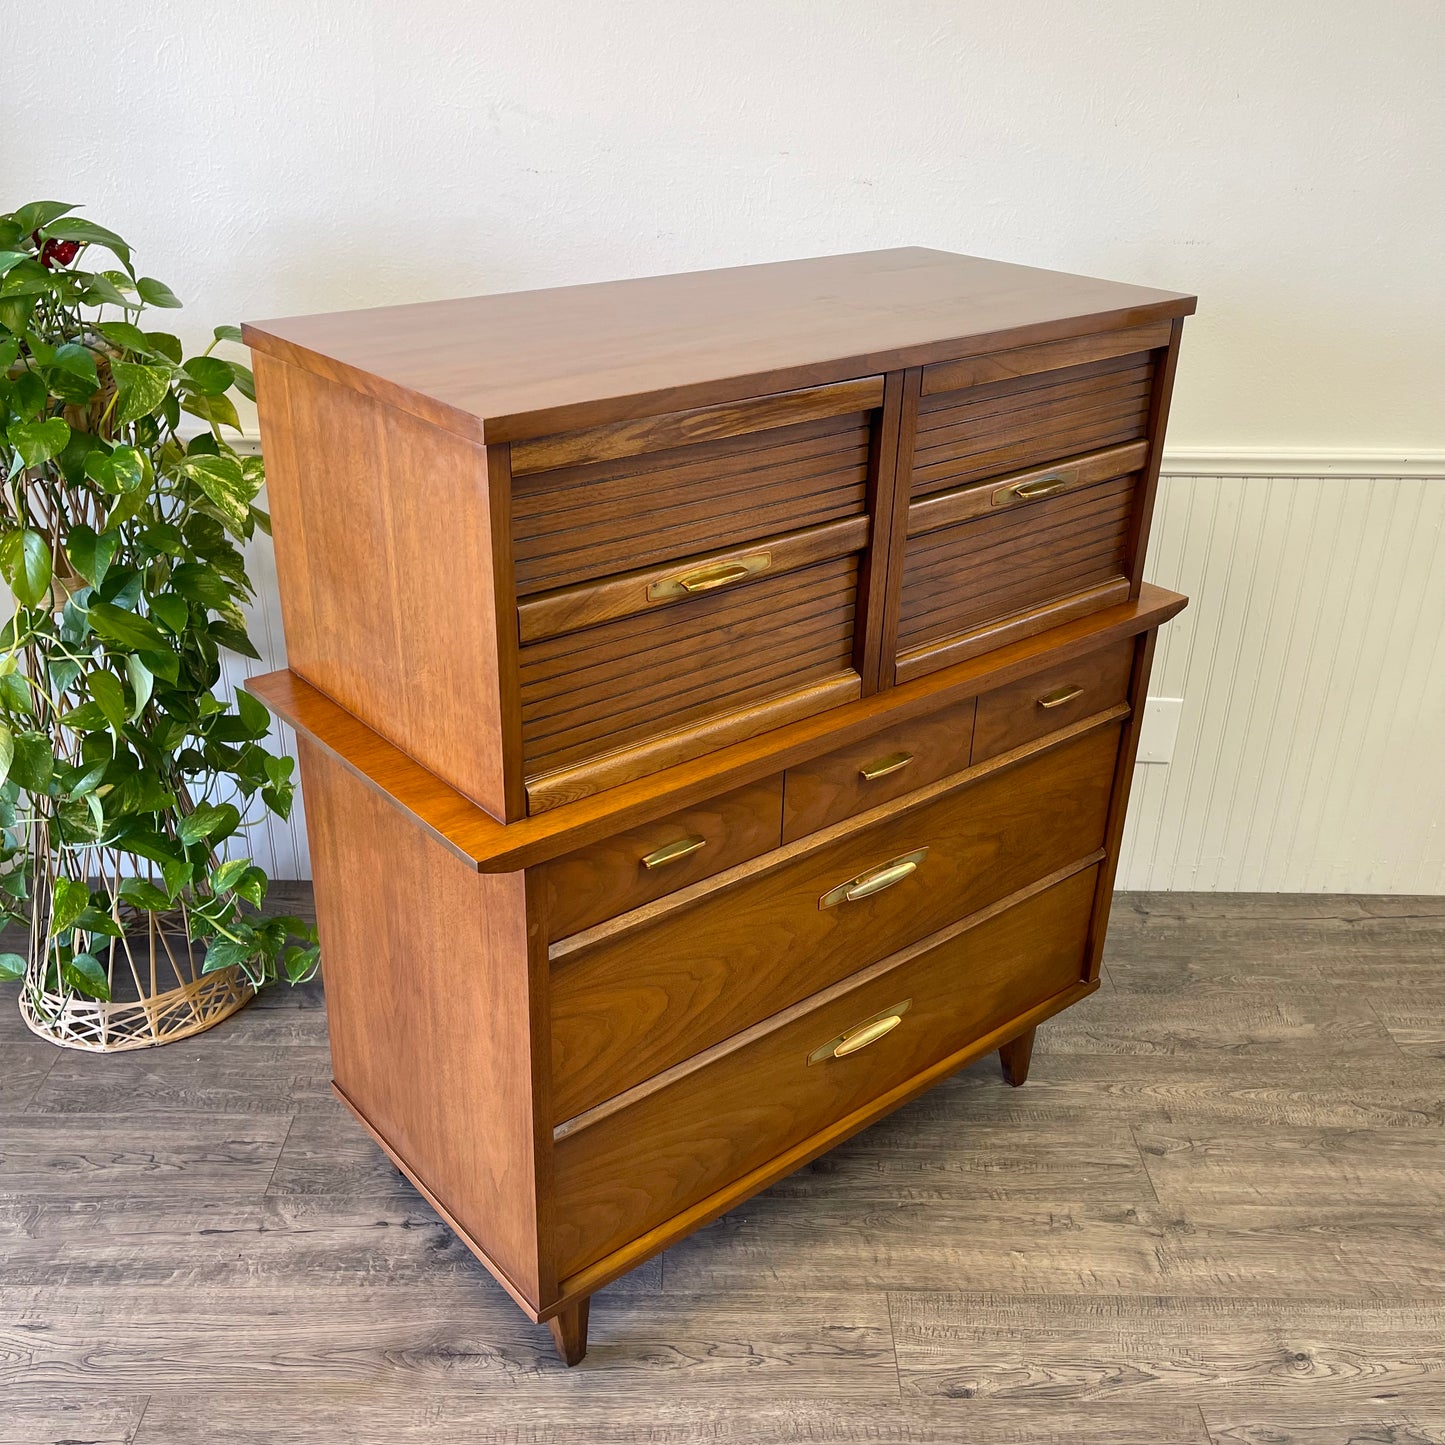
{"x":527,"y":363}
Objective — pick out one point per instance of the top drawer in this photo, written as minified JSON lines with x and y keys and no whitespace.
{"x":990,"y":415}
{"x":611,"y":499}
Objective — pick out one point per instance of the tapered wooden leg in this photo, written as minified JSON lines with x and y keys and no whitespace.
{"x":569,"y":1332}
{"x":1015,"y":1056}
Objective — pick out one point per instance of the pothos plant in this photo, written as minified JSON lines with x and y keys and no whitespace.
{"x":124,"y":511}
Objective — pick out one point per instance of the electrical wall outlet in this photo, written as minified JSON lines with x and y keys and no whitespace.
{"x":1159,"y":729}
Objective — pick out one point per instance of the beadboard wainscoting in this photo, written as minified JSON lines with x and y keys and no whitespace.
{"x":1310,"y":755}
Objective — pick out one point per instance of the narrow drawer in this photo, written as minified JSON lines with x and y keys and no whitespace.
{"x":592,"y":503}
{"x":987,"y":565}
{"x":633,"y":868}
{"x":760,"y":640}
{"x":877,"y":770}
{"x":1052,"y":699}
{"x":631,"y":1000}
{"x":970,"y":427}
{"x":628,"y":1171}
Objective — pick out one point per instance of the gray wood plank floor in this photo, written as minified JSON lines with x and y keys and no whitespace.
{"x":1216,"y":1213}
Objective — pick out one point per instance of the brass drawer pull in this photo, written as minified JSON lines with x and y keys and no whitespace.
{"x":865,"y":885}
{"x":881,"y":767}
{"x":1030,"y":491}
{"x":708,"y":579}
{"x":861,"y":1035}
{"x":673,"y":852}
{"x":1060,"y":695}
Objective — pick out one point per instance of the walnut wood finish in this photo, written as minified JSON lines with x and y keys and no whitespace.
{"x":668,"y":660}
{"x":625,"y":871}
{"x":640,"y":1165}
{"x":1051,"y":699}
{"x":1014,"y":1058}
{"x":882,"y":767}
{"x":636,"y":996}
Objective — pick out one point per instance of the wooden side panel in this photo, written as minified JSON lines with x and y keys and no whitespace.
{"x":634,"y":678}
{"x":390,"y":567}
{"x":434,"y":1000}
{"x":641,"y":1165}
{"x":593,"y":520}
{"x":656,"y":990}
{"x":1011,"y":425}
{"x":961,"y":578}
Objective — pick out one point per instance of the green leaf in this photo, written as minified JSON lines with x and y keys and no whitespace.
{"x":164,"y":344}
{"x":212,"y":821}
{"x":171,"y":611}
{"x":127,"y":336}
{"x":109,"y":694}
{"x":224,"y":953}
{"x":36,"y":214}
{"x":11,"y":966}
{"x":77,"y":228}
{"x":126,"y":629}
{"x":69,"y":899}
{"x":71,"y":374}
{"x":32,"y":763}
{"x":254,"y":713}
{"x":91,"y":552}
{"x":177,"y":873}
{"x":210,"y":375}
{"x":228,"y":333}
{"x":14,"y":697}
{"x":38,"y":441}
{"x":7,"y":750}
{"x":245,"y":381}
{"x":140,"y":389}
{"x":10,"y":259}
{"x":143,"y":894}
{"x":301,"y":963}
{"x":223,"y":482}
{"x":85,"y":974}
{"x":25,"y":563}
{"x":100,"y":290}
{"x":252,"y":886}
{"x":202,"y":584}
{"x":225,"y":878}
{"x":142,"y":683}
{"x":156,"y":293}
{"x":217,"y":410}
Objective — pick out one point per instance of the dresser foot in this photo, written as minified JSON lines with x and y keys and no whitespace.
{"x":1015,"y":1056}
{"x":569,"y":1332}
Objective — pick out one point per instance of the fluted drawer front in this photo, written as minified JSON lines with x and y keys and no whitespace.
{"x":756,"y":469}
{"x":634,"y":1168}
{"x":615,"y":686}
{"x":1005,"y":426}
{"x":639,"y":996}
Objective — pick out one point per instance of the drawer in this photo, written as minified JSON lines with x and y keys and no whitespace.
{"x":877,"y":770}
{"x":989,"y":564}
{"x":633,"y":868}
{"x":611,"y":499}
{"x":630,"y":1170}
{"x":710,"y":651}
{"x":631,"y":999}
{"x":1052,"y":699}
{"x":970,"y":427}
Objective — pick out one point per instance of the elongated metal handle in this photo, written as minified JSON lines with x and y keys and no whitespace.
{"x":1060,"y":695}
{"x":875,"y":880}
{"x":1030,"y":491}
{"x":881,"y":767}
{"x":673,"y":852}
{"x":708,"y":579}
{"x":869,"y":1031}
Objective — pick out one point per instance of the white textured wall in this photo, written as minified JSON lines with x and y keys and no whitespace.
{"x":1286,"y":162}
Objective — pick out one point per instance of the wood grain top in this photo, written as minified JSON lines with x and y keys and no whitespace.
{"x":527,"y":363}
{"x":493,"y":847}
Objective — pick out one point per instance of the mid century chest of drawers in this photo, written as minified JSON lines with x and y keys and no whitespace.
{"x":717,"y":697}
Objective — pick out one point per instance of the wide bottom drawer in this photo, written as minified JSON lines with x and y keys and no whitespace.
{"x":631,"y":1167}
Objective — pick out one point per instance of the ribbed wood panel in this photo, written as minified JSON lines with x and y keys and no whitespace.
{"x":1311,"y":661}
{"x":959,"y":578}
{"x":592,"y":692}
{"x":1007,"y":426}
{"x":575,"y":523}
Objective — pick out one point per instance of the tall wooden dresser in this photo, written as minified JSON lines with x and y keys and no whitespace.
{"x":717,"y":696}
